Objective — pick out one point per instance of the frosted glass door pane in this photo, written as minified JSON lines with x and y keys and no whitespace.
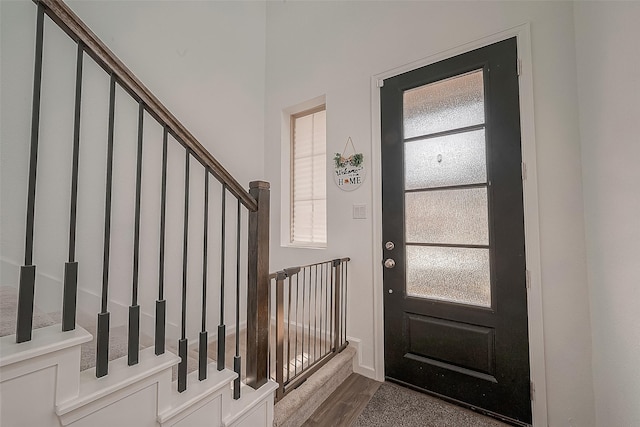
{"x":457,"y":159}
{"x":447,"y":216}
{"x":449,"y":274}
{"x":448,"y":104}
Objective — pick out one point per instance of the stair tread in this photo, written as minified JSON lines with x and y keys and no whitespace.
{"x":120,"y":376}
{"x":45,"y":340}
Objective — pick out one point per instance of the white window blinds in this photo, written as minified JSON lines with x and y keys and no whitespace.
{"x":308,"y":186}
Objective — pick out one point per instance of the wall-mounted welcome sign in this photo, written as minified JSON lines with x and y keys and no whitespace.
{"x":349,"y":172}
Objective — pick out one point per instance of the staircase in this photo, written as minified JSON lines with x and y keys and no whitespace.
{"x":113,"y":342}
{"x":42,"y":385}
{"x":161,"y":317}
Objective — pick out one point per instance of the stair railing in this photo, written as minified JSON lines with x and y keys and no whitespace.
{"x":309,"y":319}
{"x":255,"y":202}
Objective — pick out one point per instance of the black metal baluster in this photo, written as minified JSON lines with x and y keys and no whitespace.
{"x":26,"y":292}
{"x":237,"y":360}
{"x":134,"y":309}
{"x":204,"y":335}
{"x":183,"y":342}
{"x":161,"y":304}
{"x":69,"y":299}
{"x":221,"y":326}
{"x":102,"y":340}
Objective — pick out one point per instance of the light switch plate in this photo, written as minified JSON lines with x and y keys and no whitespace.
{"x":359,"y":211}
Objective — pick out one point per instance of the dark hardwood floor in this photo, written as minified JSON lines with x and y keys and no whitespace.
{"x":345,"y":404}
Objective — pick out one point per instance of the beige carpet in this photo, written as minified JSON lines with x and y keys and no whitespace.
{"x":9,"y":312}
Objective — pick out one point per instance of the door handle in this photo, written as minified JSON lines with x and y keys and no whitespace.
{"x":389,"y":263}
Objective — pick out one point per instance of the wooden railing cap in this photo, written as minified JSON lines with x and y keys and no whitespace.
{"x":261,"y":185}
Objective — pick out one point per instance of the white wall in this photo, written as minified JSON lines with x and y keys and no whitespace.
{"x":608,"y":65}
{"x":205,"y":62}
{"x":333,"y":49}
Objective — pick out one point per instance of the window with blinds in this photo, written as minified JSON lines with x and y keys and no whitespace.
{"x":308,"y":178}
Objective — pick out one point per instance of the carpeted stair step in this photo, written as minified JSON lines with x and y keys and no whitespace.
{"x":9,"y":312}
{"x":118,"y":339}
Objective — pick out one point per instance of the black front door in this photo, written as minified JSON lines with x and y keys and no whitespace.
{"x":455,"y":305}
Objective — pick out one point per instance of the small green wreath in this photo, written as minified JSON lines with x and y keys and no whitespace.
{"x":354,"y":160}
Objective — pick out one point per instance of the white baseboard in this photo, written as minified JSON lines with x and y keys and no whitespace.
{"x":358,"y":367}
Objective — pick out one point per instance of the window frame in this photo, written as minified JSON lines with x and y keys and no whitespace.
{"x":292,"y":177}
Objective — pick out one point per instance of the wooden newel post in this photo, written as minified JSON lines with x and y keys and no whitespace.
{"x":258,"y":288}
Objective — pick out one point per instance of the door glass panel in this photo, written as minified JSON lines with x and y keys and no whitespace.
{"x":444,"y":105}
{"x":457,"y":159}
{"x":457,"y":216}
{"x":458,"y":275}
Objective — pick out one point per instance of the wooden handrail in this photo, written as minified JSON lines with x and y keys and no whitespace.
{"x":58,"y":11}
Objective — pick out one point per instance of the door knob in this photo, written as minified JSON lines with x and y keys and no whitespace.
{"x":389,"y":263}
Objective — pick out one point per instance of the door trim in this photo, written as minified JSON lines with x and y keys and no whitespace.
{"x":530,"y":195}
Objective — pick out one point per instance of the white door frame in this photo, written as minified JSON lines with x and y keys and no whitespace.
{"x":530,"y":194}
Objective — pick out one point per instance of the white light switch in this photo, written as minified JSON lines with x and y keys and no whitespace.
{"x":359,"y":211}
